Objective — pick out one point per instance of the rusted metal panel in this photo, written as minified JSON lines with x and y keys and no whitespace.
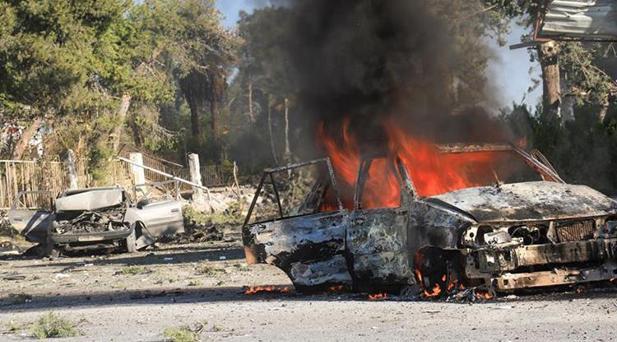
{"x":581,"y":19}
{"x":331,"y":271}
{"x":436,"y":225}
{"x":512,"y":256}
{"x":515,"y":281}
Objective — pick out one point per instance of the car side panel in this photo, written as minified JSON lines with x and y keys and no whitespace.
{"x":377,"y":243}
{"x":159,"y":218}
{"x":32,"y":223}
{"x":310,"y":249}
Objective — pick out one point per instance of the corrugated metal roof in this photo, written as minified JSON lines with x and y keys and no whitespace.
{"x":581,"y":19}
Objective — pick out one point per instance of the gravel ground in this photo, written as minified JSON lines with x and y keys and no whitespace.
{"x":136,"y":297}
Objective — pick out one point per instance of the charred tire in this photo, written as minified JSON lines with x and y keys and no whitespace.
{"x":439,"y":272}
{"x":431,"y":269}
{"x":48,"y":249}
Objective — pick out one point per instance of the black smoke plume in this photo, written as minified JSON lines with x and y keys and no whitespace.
{"x":375,"y":60}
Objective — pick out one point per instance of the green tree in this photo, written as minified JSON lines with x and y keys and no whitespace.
{"x":198,"y":52}
{"x":573,"y":64}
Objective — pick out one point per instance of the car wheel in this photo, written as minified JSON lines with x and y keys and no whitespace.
{"x":48,"y":249}
{"x":131,"y":241}
{"x":431,"y":271}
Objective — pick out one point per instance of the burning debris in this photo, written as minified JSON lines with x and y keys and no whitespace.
{"x":255,"y":290}
{"x":377,"y":296}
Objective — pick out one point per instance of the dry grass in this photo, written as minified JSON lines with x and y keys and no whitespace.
{"x":134,"y":270}
{"x":180,"y":334}
{"x":52,"y":326}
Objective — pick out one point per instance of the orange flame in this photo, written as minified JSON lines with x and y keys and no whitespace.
{"x":378,"y":296}
{"x":431,"y":171}
{"x":434,"y":292}
{"x":337,"y":288}
{"x":253,"y":290}
{"x":483,"y":294}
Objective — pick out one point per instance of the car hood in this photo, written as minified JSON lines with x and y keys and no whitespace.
{"x":531,"y":201}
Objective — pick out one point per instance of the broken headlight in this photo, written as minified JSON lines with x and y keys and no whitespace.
{"x":528,"y":235}
{"x":485,"y":235}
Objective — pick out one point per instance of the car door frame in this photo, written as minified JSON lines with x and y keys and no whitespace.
{"x":309,"y":248}
{"x":377,"y":240}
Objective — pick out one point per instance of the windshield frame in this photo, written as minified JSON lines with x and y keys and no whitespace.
{"x":533,"y":159}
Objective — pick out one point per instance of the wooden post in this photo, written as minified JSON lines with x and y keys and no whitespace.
{"x":139,"y":175}
{"x":195,"y":171}
{"x":70,"y":164}
{"x":287,"y":148}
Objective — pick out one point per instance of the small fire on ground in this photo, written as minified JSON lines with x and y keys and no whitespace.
{"x":254,"y":290}
{"x":377,"y":296}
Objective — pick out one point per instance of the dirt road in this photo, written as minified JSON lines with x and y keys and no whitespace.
{"x":136,"y":297}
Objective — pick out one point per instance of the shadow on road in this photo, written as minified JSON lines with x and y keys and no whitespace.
{"x":182,"y":255}
{"x":150,"y":297}
{"x":173,"y":296}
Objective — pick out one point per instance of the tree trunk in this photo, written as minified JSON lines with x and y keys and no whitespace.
{"x":20,"y":148}
{"x":195,"y":118}
{"x":272,"y":145}
{"x":287,"y":147}
{"x":125,"y":103}
{"x":548,"y":54}
{"x":251,"y":112}
{"x":603,"y":111}
{"x":192,"y":89}
{"x":214,"y":110}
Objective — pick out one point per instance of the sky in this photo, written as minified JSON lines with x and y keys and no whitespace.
{"x":510,"y":67}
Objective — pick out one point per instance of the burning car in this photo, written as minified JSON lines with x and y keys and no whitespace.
{"x":94,"y":218}
{"x":443,"y":217}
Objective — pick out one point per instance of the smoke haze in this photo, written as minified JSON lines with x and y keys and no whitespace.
{"x":373,"y":61}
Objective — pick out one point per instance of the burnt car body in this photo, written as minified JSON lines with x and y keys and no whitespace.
{"x":95,"y":218}
{"x":505,"y":236}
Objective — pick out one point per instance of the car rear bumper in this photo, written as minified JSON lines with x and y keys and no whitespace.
{"x":89,"y":237}
{"x":509,"y":268}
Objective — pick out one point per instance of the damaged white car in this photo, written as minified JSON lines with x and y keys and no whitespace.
{"x":95,"y":218}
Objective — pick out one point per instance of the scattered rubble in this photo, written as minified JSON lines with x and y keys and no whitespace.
{"x":203,"y":227}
